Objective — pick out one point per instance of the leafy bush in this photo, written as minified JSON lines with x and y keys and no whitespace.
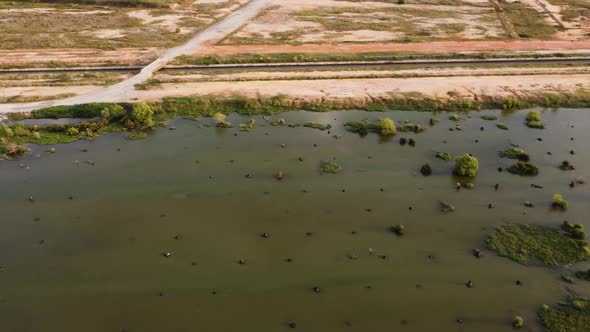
{"x":140,"y":117}
{"x":533,"y":116}
{"x":559,"y":202}
{"x":566,"y":166}
{"x":518,"y":322}
{"x":73,"y":131}
{"x":466,"y":165}
{"x":387,"y":127}
{"x":113,"y":112}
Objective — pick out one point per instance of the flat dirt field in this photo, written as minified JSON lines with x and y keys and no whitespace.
{"x":354,"y":21}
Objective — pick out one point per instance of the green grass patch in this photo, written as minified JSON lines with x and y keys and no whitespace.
{"x":532,"y":243}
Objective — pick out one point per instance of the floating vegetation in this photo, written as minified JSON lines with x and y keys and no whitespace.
{"x":502,"y":126}
{"x":525,"y":243}
{"x":466,"y":165}
{"x":279,"y":122}
{"x":384,"y":127}
{"x":575,"y":231}
{"x":559,"y":202}
{"x":446,"y":207}
{"x":566,"y":166}
{"x":433,"y":121}
{"x":317,"y":126}
{"x":455,"y":117}
{"x":533,"y":120}
{"x":411,"y":142}
{"x":444,"y":156}
{"x":248,"y":125}
{"x":136,"y":136}
{"x":524,"y":168}
{"x":574,"y":315}
{"x":398,"y":229}
{"x":330,"y":167}
{"x":426,"y":170}
{"x":489,"y":117}
{"x":514,"y":153}
{"x":411,"y":127}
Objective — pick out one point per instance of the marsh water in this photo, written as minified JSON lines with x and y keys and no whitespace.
{"x":83,"y":247}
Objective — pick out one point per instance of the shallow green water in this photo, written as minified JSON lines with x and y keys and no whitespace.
{"x":94,"y":262}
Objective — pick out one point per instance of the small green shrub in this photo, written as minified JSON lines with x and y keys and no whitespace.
{"x":489,"y":117}
{"x":566,"y":166}
{"x":387,"y":127}
{"x":426,"y":170}
{"x":73,"y":131}
{"x":502,"y":126}
{"x":455,"y":117}
{"x":559,"y":202}
{"x":398,"y":229}
{"x":466,"y":165}
{"x":518,"y":322}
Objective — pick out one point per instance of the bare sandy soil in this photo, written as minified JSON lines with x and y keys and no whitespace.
{"x":332,"y":21}
{"x":385,"y":72}
{"x":78,"y":57}
{"x":364,"y":89}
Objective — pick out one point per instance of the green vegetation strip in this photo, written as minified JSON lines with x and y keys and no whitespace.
{"x":528,"y":243}
{"x":109,"y":117}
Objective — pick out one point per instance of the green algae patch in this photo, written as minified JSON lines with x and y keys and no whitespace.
{"x":444,"y":156}
{"x":330,"y":167}
{"x":529,"y":243}
{"x":514,"y":153}
{"x":136,"y":136}
{"x":524,"y":169}
{"x":489,"y":117}
{"x":317,"y":126}
{"x":502,"y":126}
{"x":574,"y":315}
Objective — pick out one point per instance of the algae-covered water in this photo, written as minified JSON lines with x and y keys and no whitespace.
{"x":83,"y":247}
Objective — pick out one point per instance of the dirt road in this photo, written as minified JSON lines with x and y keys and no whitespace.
{"x":123,"y":90}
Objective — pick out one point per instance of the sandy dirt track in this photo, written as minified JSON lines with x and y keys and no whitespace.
{"x":426,"y":47}
{"x":364,"y":89}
